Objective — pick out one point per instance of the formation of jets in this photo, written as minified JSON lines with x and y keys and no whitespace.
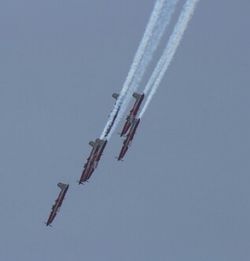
{"x":128,"y":132}
{"x":140,"y":62}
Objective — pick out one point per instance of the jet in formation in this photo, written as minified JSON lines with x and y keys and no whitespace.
{"x":98,"y":147}
{"x":129,"y":137}
{"x":133,"y":112}
{"x":115,"y":96}
{"x":56,"y":207}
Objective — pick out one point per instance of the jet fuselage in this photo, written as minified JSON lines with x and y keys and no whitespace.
{"x":97,"y":149}
{"x":133,"y":112}
{"x":129,"y":138}
{"x":55,"y":208}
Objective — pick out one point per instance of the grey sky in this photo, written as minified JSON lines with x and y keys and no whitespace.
{"x":182,"y":192}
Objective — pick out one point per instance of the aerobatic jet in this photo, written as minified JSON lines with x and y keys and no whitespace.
{"x":133,"y":112}
{"x":55,"y":208}
{"x":129,"y":138}
{"x":98,"y":147}
{"x":115,"y":96}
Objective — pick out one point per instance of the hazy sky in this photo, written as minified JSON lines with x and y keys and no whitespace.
{"x":182,"y":192}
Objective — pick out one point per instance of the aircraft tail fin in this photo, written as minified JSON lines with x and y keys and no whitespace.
{"x":115,"y":95}
{"x":136,"y":95}
{"x":61,"y":185}
{"x":100,"y":141}
{"x":136,"y":121}
{"x":92,"y":143}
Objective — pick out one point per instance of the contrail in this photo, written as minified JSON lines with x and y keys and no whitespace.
{"x":169,"y":52}
{"x":158,"y":21}
{"x":137,"y":58}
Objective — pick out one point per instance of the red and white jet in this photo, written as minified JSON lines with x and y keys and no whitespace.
{"x":95,"y":155}
{"x":129,"y":138}
{"x":56,"y":207}
{"x":133,"y":112}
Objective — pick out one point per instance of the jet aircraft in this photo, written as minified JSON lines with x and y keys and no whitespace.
{"x":115,"y":96}
{"x":55,"y":208}
{"x":129,"y":138}
{"x":98,"y":147}
{"x":133,"y":112}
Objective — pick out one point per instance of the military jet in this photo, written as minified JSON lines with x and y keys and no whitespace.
{"x":133,"y":112}
{"x":56,"y":207}
{"x":115,"y":96}
{"x":98,"y":147}
{"x":129,"y":138}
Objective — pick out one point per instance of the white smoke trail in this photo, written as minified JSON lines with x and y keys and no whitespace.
{"x":137,"y":58}
{"x":153,"y":39}
{"x":169,"y":52}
